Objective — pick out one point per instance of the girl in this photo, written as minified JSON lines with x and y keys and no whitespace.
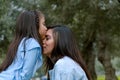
{"x":24,"y":54}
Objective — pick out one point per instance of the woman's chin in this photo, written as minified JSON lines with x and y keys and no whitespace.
{"x":46,"y":54}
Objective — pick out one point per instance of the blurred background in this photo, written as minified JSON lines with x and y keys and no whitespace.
{"x":95,"y":23}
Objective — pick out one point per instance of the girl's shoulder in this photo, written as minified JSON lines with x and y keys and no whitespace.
{"x":28,"y":44}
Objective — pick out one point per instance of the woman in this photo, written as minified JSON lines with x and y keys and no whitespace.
{"x":64,"y":60}
{"x":24,"y":54}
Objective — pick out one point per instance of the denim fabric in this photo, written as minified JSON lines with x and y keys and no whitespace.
{"x":25,"y":65}
{"x":67,"y":69}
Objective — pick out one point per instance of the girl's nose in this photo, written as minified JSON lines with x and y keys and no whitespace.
{"x":43,"y":41}
{"x":45,"y":28}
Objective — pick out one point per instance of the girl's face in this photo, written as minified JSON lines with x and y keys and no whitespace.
{"x":48,"y":43}
{"x":42,"y":29}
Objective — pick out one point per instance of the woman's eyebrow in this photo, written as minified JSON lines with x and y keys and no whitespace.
{"x":46,"y":35}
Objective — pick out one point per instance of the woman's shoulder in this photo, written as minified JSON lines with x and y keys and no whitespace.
{"x":68,"y":67}
{"x":67,"y":64}
{"x":65,"y":61}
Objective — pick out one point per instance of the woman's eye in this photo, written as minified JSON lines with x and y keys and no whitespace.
{"x":47,"y":38}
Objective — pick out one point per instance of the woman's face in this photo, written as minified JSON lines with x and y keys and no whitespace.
{"x":48,"y":43}
{"x":42,"y":29}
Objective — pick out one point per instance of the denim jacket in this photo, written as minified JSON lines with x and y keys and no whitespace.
{"x":67,"y":69}
{"x":25,"y":64}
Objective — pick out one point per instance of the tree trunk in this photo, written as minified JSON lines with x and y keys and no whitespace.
{"x":89,"y":56}
{"x":104,"y":57}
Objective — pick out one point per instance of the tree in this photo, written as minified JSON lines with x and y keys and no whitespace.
{"x":95,"y":23}
{"x":89,"y":19}
{"x":4,"y":26}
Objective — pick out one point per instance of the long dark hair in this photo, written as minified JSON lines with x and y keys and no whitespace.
{"x":65,"y":45}
{"x":27,"y":26}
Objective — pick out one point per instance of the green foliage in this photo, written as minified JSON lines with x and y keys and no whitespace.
{"x":115,"y":61}
{"x":87,"y":19}
{"x":5,"y":22}
{"x":1,"y":56}
{"x":99,"y":68}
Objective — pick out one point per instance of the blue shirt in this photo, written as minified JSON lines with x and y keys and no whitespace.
{"x":25,"y":65}
{"x":67,"y":69}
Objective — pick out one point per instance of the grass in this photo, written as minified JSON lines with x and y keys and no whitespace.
{"x":102,"y":77}
{"x":118,"y":77}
